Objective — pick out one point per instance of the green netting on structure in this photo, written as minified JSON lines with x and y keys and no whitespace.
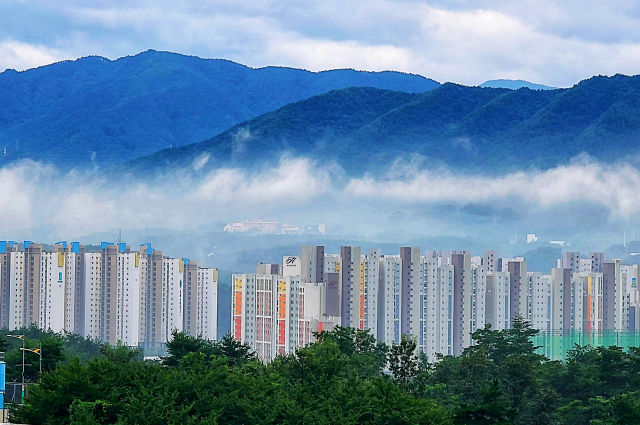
{"x":555,"y":345}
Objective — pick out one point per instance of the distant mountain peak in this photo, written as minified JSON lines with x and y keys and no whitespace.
{"x":515,"y":85}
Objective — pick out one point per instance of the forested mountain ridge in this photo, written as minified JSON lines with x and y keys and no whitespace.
{"x":364,"y":129}
{"x":93,"y":109}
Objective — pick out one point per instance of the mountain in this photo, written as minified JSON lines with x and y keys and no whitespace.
{"x":366,"y":129}
{"x":514,"y":85}
{"x":94,"y":109}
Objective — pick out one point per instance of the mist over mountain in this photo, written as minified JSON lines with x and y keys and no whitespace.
{"x":515,"y":85}
{"x":96,"y":110}
{"x":471,"y":128}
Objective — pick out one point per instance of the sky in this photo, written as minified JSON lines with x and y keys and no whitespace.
{"x":464,"y":41}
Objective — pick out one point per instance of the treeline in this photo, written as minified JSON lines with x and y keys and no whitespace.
{"x":346,"y":377}
{"x":56,"y":349}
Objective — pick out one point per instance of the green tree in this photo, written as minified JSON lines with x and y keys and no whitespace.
{"x":493,"y":408}
{"x":403,"y":361}
{"x":236,"y":352}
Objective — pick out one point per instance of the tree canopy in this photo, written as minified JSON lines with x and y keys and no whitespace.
{"x":345,"y":377}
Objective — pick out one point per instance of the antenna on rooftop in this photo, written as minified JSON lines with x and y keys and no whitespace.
{"x":119,"y":236}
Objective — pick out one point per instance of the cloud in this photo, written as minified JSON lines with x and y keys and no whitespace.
{"x":21,"y":56}
{"x":582,"y":195}
{"x":293,"y":181}
{"x":198,"y":163}
{"x":36,"y":195}
{"x":614,"y":186}
{"x":240,"y":140}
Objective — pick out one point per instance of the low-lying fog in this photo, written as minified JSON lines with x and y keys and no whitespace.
{"x":585,"y":203}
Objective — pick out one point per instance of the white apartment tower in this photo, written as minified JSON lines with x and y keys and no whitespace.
{"x":411,"y":289}
{"x":612,"y":296}
{"x":497,"y":300}
{"x":127,"y":303}
{"x":92,"y":295}
{"x":207,"y":324}
{"x":172,"y":297}
{"x":540,"y":296}
{"x":52,"y":291}
{"x":370,"y":266}
{"x":440,"y":301}
{"x":389,"y":306}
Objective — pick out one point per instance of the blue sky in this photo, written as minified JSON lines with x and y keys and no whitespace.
{"x":465,"y":41}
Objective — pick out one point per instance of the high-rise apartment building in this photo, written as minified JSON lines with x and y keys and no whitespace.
{"x":370,"y":268}
{"x":612,"y":295}
{"x":53,"y":291}
{"x":539,"y":289}
{"x":276,"y":313}
{"x":437,"y":297}
{"x":439,"y":331}
{"x":350,"y":287}
{"x":114,"y":294}
{"x":518,"y":291}
{"x":571,"y":260}
{"x":389,"y":299}
{"x":497,"y":313}
{"x":91,"y":307}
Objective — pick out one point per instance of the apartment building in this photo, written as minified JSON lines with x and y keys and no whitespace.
{"x":114,"y":294}
{"x":91,"y":311}
{"x":439,"y":330}
{"x":437,"y":297}
{"x":497,"y":313}
{"x":276,"y":313}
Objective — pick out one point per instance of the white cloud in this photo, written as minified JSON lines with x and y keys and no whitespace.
{"x":34,"y":196}
{"x":21,"y":56}
{"x":70,"y":205}
{"x":201,"y":161}
{"x":615,"y":186}
{"x":319,"y":55}
{"x":294,"y":180}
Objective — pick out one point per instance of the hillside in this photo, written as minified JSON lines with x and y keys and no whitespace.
{"x":515,"y":85}
{"x":93,"y":109}
{"x":365,"y":129}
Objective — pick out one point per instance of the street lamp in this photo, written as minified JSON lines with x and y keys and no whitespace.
{"x":22,"y":386}
{"x":38,"y":351}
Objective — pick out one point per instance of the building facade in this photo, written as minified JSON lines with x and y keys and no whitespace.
{"x":439,"y":298}
{"x":112,"y":294}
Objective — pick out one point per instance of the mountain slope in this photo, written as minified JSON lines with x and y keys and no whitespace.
{"x":365,"y":129}
{"x":73,"y":112}
{"x":514,"y":85}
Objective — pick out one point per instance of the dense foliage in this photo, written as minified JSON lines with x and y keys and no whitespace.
{"x":346,"y":377}
{"x":56,"y":349}
{"x":111,"y":111}
{"x":467,"y":127}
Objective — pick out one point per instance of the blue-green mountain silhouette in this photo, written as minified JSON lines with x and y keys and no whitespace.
{"x":364,"y":129}
{"x":73,"y":112}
